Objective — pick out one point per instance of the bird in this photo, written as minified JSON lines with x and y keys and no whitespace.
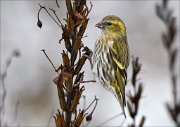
{"x":111,"y":57}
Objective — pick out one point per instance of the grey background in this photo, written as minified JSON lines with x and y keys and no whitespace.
{"x":30,"y":77}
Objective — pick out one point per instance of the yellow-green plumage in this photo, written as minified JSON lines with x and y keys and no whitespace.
{"x":111,"y":57}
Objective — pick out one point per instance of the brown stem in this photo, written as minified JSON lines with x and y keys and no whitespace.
{"x":71,"y":76}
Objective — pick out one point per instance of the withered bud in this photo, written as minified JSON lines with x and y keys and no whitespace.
{"x":89,"y":117}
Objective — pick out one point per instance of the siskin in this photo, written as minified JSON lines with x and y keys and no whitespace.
{"x":111,"y":57}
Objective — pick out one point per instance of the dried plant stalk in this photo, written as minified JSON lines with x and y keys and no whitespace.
{"x":135,"y":96}
{"x":3,"y":91}
{"x":168,"y":37}
{"x":70,"y":76}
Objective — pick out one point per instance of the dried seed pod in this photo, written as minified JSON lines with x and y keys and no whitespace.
{"x":89,"y":117}
{"x":77,"y":98}
{"x":79,"y":119}
{"x":80,"y":64}
{"x":65,"y":59}
{"x":59,"y":120}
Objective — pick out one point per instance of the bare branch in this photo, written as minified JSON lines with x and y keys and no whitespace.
{"x":57,"y":4}
{"x":39,"y":22}
{"x":56,"y":16}
{"x":43,"y":50}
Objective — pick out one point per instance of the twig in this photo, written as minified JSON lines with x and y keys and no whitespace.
{"x":43,"y":50}
{"x":89,"y":10}
{"x":56,"y":16}
{"x":95,"y":100}
{"x":89,"y":116}
{"x":109,"y":119}
{"x":42,"y":7}
{"x":88,"y":81}
{"x":57,"y":4}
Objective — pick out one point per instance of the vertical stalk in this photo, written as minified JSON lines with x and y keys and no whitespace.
{"x":70,"y":76}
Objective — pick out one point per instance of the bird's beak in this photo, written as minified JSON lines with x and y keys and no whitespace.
{"x":99,"y":25}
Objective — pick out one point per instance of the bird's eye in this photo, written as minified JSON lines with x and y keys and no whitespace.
{"x":109,"y":23}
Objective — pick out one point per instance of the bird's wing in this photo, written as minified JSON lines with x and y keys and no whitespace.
{"x":120,"y":52}
{"x":120,"y":56}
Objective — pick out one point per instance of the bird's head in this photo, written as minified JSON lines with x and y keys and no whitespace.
{"x":112,"y":24}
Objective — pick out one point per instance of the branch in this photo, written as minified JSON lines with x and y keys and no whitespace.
{"x":39,"y":23}
{"x":70,"y":76}
{"x":135,"y":96}
{"x":165,"y":14}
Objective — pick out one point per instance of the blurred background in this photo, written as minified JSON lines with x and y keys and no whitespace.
{"x":29,"y":78}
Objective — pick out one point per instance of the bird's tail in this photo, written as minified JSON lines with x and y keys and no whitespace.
{"x":121,"y":100}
